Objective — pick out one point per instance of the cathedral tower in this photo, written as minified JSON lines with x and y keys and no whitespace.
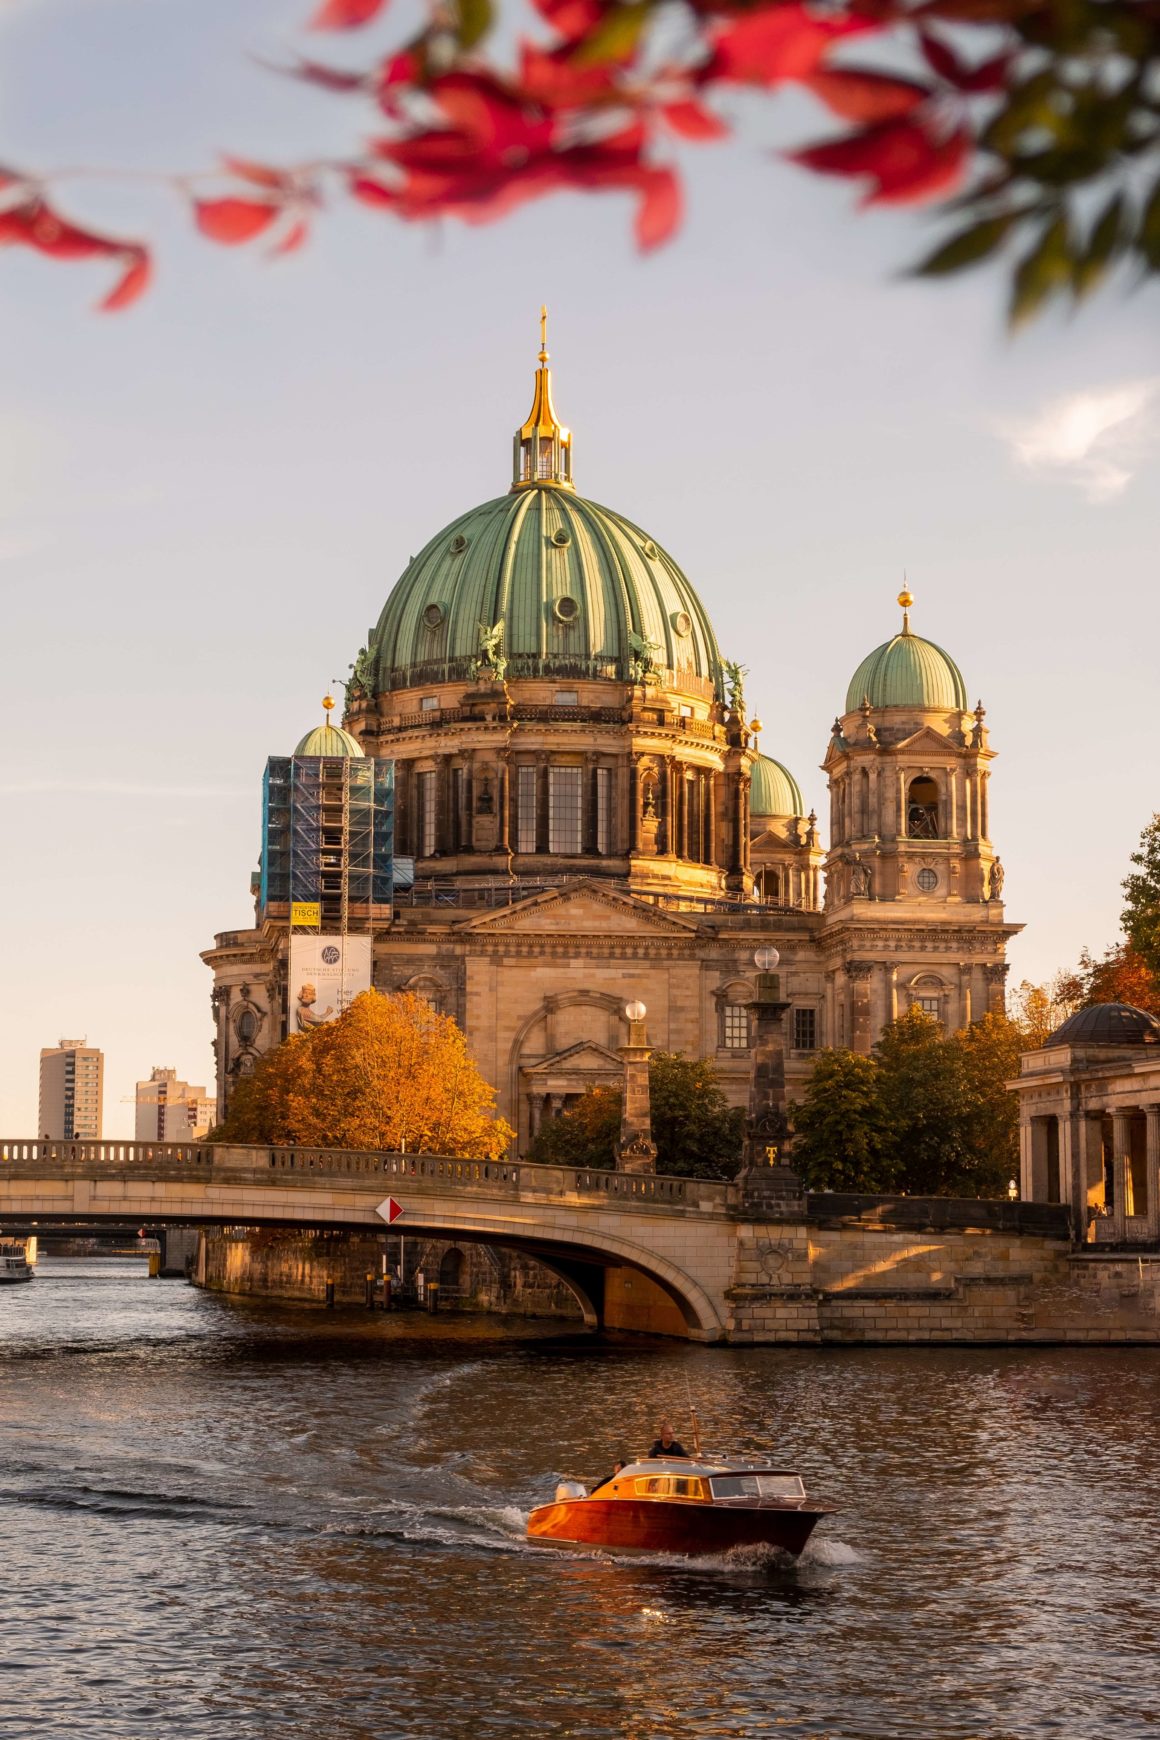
{"x":914,"y":887}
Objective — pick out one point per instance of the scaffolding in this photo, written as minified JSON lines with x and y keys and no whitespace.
{"x":328,"y":842}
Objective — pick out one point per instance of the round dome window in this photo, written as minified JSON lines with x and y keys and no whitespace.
{"x":561,"y":536}
{"x":458,"y":544}
{"x":433,"y":616}
{"x":683,"y":623}
{"x":927,"y":880}
{"x":566,"y":609}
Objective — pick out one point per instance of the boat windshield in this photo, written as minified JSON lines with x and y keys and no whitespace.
{"x":757,"y":1486}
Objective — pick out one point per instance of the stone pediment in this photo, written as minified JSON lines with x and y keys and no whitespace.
{"x":586,"y":1056}
{"x":926,"y":738}
{"x":588,"y":908}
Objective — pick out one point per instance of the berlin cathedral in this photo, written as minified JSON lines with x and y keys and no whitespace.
{"x":582,"y":818}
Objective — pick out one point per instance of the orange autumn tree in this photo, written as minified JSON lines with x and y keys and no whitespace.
{"x":389,"y":1074}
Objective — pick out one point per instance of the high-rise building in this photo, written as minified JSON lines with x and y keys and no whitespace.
{"x":72,"y":1082}
{"x":169,"y":1110}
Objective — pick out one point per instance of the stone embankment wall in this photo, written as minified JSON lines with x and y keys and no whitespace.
{"x":880,"y":1270}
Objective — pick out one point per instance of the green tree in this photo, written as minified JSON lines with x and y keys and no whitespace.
{"x":697,"y":1132}
{"x":1141,"y":915}
{"x":583,"y":1135}
{"x":989,"y":1051}
{"x":925,"y":1101}
{"x":841,"y":1137}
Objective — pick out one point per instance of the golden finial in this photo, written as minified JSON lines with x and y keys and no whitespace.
{"x":543,"y":332}
{"x":906,"y":599}
{"x":327,"y":702}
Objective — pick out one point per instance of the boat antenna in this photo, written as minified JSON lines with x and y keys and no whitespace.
{"x":693,"y":1417}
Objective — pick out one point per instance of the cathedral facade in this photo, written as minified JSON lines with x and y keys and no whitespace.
{"x":579,"y":788}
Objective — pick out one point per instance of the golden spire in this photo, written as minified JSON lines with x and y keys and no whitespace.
{"x":906,"y":599}
{"x":327,"y":704}
{"x":543,"y":446}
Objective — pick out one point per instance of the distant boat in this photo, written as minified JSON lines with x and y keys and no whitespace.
{"x":14,"y":1263}
{"x":689,"y":1505}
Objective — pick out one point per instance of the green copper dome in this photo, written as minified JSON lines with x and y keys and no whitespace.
{"x":572,"y":584}
{"x":908,"y":672}
{"x":774,"y":791}
{"x":329,"y":740}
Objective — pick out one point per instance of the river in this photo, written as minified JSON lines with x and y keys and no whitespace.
{"x":230,"y":1519}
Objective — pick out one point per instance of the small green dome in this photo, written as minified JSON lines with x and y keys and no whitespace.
{"x":908,"y":672}
{"x":329,"y":740}
{"x":570,"y":581}
{"x":774,"y":791}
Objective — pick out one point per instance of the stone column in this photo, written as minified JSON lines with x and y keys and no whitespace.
{"x":744,"y":812}
{"x":443,"y":802}
{"x":634,"y":805}
{"x":736,"y":858}
{"x":588,"y":807}
{"x":542,"y":802}
{"x":636,"y":1151}
{"x":504,"y":799}
{"x":767,"y":1123}
{"x":996,"y":972}
{"x":1121,"y":1172}
{"x":858,"y":973}
{"x":964,"y":994}
{"x":1152,"y":1113}
{"x":712,"y":801}
{"x":467,"y":821}
{"x":1073,"y":1169}
{"x":535,"y":1114}
{"x":1026,"y":1169}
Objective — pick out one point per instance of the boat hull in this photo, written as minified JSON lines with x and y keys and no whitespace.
{"x":654,"y":1526}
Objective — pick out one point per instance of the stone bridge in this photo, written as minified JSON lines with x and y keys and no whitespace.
{"x":678,"y":1234}
{"x":670,"y":1255}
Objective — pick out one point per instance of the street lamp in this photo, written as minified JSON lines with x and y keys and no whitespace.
{"x":1012,"y":1191}
{"x":766,"y":960}
{"x":635,"y":1011}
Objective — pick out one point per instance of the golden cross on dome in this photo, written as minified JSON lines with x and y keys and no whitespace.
{"x":543,"y":332}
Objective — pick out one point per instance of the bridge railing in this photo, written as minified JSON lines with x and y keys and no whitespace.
{"x":47,"y":1157}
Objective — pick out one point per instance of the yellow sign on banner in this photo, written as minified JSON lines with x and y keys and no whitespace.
{"x":306,"y":912}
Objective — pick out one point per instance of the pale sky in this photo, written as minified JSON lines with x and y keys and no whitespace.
{"x":205,"y":502}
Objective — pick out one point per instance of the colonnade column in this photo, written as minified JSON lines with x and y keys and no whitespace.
{"x":467,"y":820}
{"x":1152,"y":1113}
{"x":1121,"y":1172}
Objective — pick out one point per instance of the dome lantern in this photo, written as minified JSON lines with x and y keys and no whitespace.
{"x":543,"y":446}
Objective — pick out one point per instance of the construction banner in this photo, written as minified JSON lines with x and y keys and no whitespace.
{"x":326,"y":974}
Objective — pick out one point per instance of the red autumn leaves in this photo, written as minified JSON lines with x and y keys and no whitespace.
{"x":31,"y":223}
{"x":591,"y":109}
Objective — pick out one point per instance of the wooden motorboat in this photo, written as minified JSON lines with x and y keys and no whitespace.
{"x":695,"y":1506}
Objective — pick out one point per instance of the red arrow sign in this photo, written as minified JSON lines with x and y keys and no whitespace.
{"x":390,"y":1210}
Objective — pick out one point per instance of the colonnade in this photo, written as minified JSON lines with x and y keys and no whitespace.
{"x":1104,"y":1161}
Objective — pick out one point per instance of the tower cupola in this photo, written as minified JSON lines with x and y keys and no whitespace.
{"x":543,"y":446}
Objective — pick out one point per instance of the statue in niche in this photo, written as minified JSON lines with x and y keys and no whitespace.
{"x":643,"y":663}
{"x":485,"y":803}
{"x":860,"y":878}
{"x":735,"y":675}
{"x":996,"y":880}
{"x":649,"y":804}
